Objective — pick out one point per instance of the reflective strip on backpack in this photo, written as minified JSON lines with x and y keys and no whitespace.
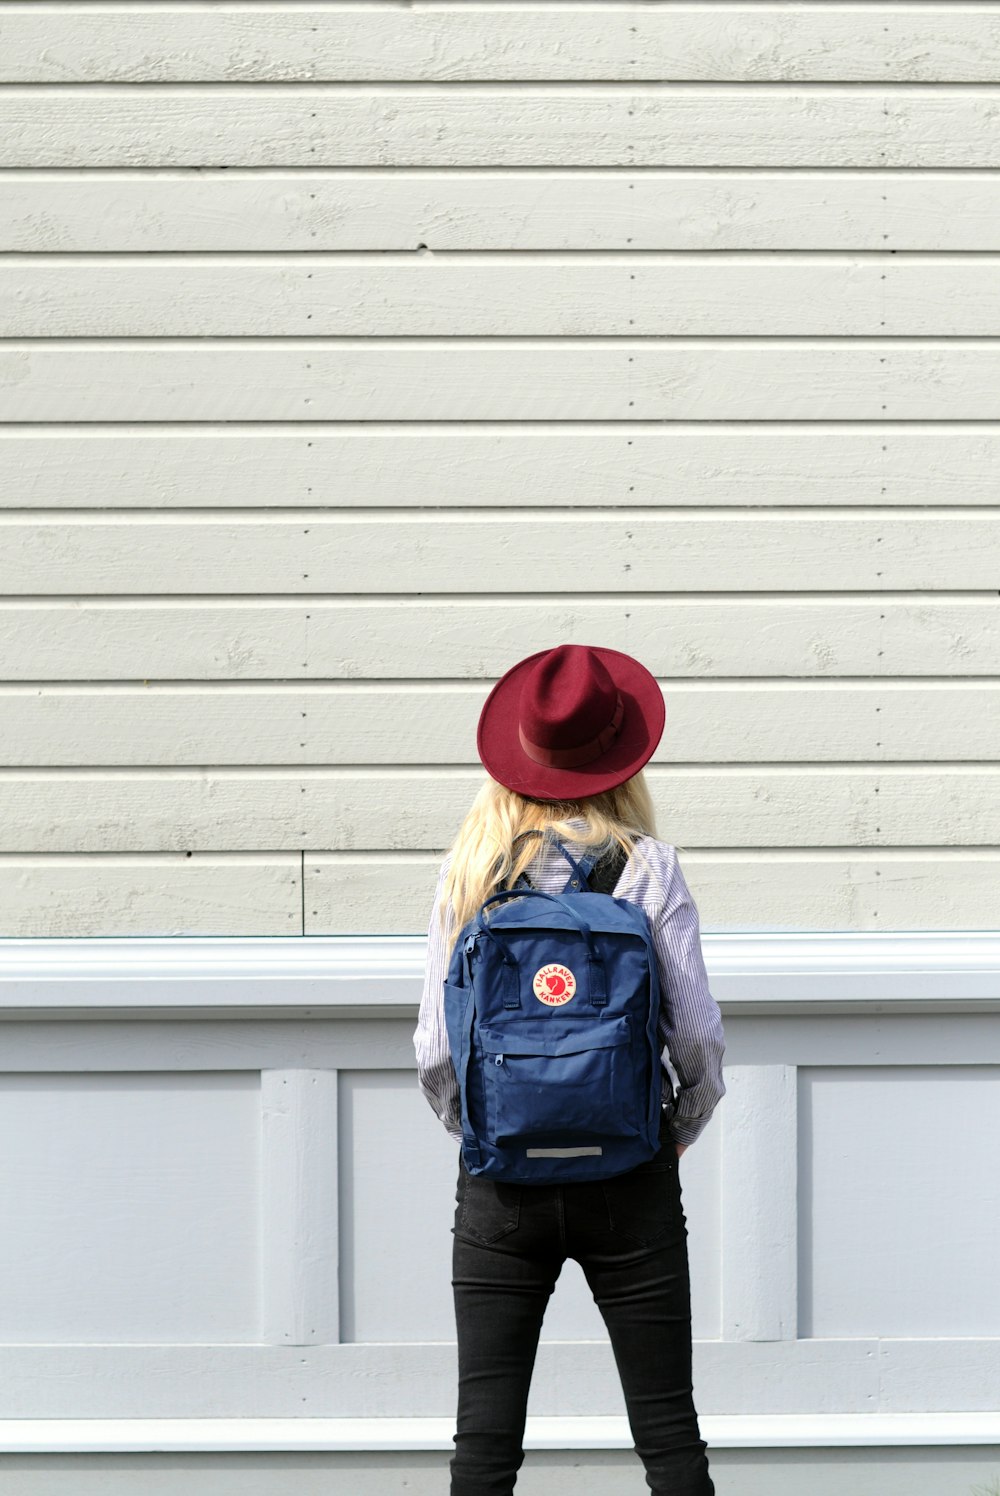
{"x":561,"y":1152}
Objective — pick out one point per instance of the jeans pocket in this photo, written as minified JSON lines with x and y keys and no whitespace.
{"x":487,"y":1208}
{"x":644,"y":1203}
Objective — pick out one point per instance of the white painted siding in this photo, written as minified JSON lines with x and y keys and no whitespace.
{"x":349,"y":354}
{"x":209,"y":1144}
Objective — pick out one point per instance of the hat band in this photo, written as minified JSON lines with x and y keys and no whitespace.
{"x":583,"y":753}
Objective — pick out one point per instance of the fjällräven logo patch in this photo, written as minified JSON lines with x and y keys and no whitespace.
{"x":554,"y":984}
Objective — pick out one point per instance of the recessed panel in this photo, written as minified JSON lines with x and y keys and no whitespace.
{"x":899,"y":1200}
{"x":130,"y":1207}
{"x":398,"y":1177}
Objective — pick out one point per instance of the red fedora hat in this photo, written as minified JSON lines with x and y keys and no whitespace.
{"x":570,"y":721}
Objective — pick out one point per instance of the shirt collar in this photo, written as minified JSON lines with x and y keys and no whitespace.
{"x":578,"y":823}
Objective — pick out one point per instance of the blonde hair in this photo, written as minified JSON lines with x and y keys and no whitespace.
{"x":484,"y":858}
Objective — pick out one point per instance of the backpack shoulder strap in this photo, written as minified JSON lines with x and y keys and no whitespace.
{"x":603,"y":875}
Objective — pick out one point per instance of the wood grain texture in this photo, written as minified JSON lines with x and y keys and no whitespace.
{"x":450,"y":43}
{"x":465,"y":637}
{"x":438,"y":465}
{"x":348,"y":723}
{"x":204,"y":893}
{"x":522,"y":124}
{"x":580,"y":209}
{"x":402,"y":808}
{"x":859,"y":888}
{"x":349,"y":354}
{"x":603,"y":552}
{"x":501,"y":379}
{"x":84,"y":894}
{"x":750,"y":294}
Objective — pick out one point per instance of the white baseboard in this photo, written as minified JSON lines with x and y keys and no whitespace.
{"x":221,"y":1435}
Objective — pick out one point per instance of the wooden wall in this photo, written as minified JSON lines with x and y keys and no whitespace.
{"x":224,"y":1198}
{"x":349,"y":354}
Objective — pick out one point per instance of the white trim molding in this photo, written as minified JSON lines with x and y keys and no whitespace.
{"x":353,"y":975}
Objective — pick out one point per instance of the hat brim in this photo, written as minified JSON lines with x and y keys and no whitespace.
{"x":501,"y":754}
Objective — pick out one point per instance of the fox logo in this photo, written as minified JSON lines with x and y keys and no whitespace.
{"x":554,"y":985}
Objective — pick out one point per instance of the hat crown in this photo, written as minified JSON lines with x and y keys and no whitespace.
{"x":567,"y":698}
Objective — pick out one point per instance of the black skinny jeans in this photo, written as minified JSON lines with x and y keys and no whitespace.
{"x":628,"y":1234}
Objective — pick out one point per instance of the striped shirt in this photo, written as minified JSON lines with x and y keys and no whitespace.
{"x":690,"y":1026}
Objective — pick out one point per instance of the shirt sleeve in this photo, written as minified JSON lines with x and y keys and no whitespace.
{"x":435,"y":1071}
{"x":690,"y":1020}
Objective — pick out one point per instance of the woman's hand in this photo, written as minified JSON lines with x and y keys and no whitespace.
{"x":680,"y":1148}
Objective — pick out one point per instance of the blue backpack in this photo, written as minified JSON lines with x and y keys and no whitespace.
{"x":551,"y":1006}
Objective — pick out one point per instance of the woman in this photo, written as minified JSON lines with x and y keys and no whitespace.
{"x":564,"y":735}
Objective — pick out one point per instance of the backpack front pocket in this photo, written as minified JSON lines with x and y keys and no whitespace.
{"x":577,"y":1086}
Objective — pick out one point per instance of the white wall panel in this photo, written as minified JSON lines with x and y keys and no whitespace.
{"x":252,"y":1253}
{"x":397,"y":1180}
{"x":899,"y":1173}
{"x":130,"y":1206}
{"x":400,"y":1170}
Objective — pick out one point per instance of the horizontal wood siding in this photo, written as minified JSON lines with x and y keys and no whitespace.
{"x":348,"y":355}
{"x":734,"y":722}
{"x":516,"y":124}
{"x":449,"y":43}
